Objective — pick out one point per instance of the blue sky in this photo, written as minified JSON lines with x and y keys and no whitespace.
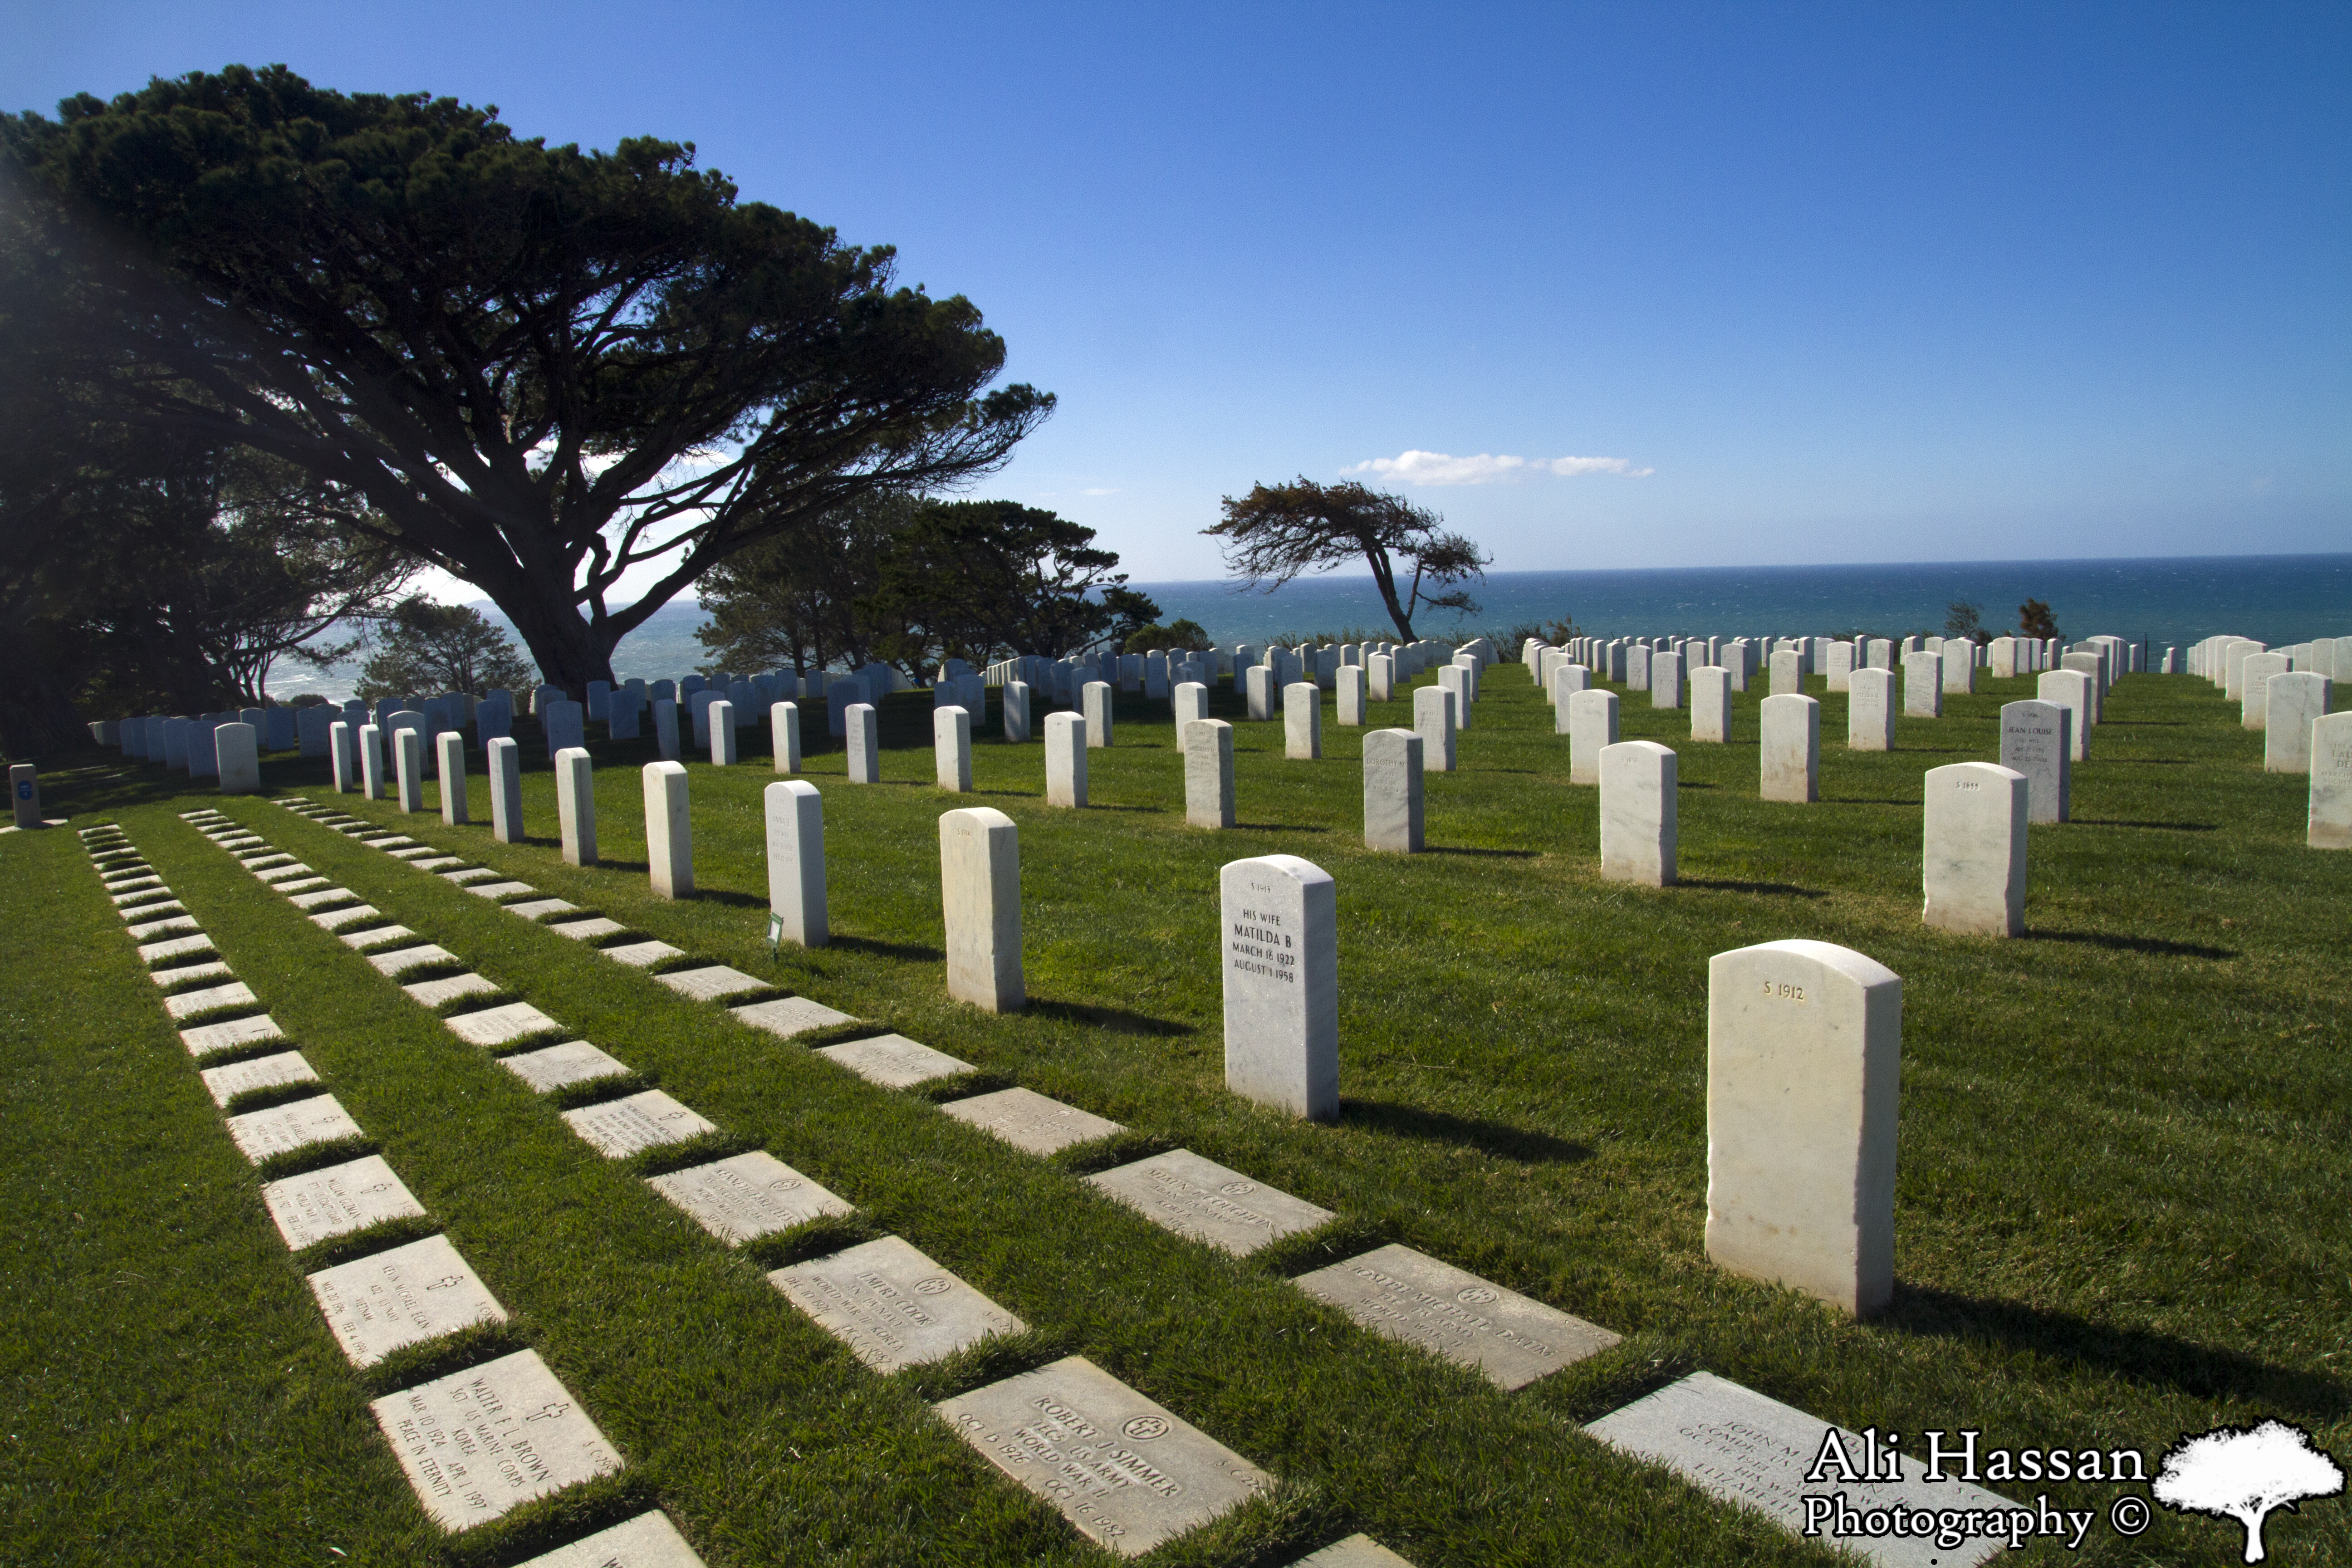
{"x":1810,"y":283}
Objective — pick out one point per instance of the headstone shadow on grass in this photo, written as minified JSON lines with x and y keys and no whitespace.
{"x":916,"y":952}
{"x":2148,"y":945}
{"x":1734,"y":885}
{"x":1499,"y":1139}
{"x":2201,"y":1371}
{"x":1117,"y":1020}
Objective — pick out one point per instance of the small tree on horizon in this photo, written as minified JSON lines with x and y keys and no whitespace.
{"x":2035,"y":620}
{"x":436,"y":647}
{"x":1278,"y":532}
{"x":1963,"y":620}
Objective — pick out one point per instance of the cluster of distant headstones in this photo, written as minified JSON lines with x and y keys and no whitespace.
{"x":1803,"y":1037}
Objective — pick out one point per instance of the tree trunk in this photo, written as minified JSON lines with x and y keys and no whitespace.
{"x":37,"y":718}
{"x":1384,"y":578}
{"x":562,"y":642}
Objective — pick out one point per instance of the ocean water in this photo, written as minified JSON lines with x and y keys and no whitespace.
{"x":2275,"y":598}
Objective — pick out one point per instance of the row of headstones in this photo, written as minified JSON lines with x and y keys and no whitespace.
{"x":2286,"y":694}
{"x":856,"y":1294}
{"x":451,"y":1433}
{"x":1281,"y":1047}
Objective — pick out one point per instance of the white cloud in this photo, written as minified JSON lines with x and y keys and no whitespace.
{"x":1417,"y":468}
{"x":1100,"y":493}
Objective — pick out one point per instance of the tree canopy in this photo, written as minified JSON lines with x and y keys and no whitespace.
{"x":2035,"y":620}
{"x":1277,"y":532}
{"x":532,"y":366}
{"x":424,"y":648}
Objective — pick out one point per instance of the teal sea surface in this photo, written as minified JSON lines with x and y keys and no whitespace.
{"x":2277,"y":599}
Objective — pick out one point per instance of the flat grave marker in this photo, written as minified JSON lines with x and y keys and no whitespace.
{"x":891,"y":1304}
{"x":619,"y":1128}
{"x":713,"y":984}
{"x":187,"y":1003}
{"x":1737,"y":1446}
{"x":401,"y":960}
{"x":1031,"y":1122}
{"x":207,"y":1038}
{"x":1405,"y":1294}
{"x":225,"y":1084}
{"x":580,"y":931}
{"x":1128,"y":1473}
{"x":258,"y":1134}
{"x":1357,"y":1551}
{"x":894,"y":1061}
{"x":337,"y":1200}
{"x":1199,"y":1198}
{"x":648,"y":1541}
{"x":748,"y":1195}
{"x":642,"y":954}
{"x":455,"y":988}
{"x":482,"y":1441}
{"x":380,"y":1303}
{"x":493,"y":1026}
{"x":552,"y":1066}
{"x":788,"y":1016}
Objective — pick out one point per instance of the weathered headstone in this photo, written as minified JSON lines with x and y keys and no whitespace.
{"x":1837,"y":664}
{"x":2330,"y":823}
{"x":236,"y":757}
{"x":1869,"y":710}
{"x":1128,"y":1473}
{"x":784,"y":735}
{"x":1591,"y":728}
{"x":669,"y":831}
{"x":795,"y":824}
{"x":1923,"y":685}
{"x":1409,"y":1296}
{"x":1379,"y":677}
{"x":1433,"y":720}
{"x":503,"y":762}
{"x":1066,"y":760}
{"x":575,"y":805}
{"x":891,"y":1304}
{"x":408,"y":762}
{"x":1637,"y":814}
{"x":1788,"y":672}
{"x":1302,"y":721}
{"x":863,"y":743}
{"x":952,"y":749}
{"x":980,"y":897}
{"x":1973,"y":850}
{"x":371,"y":761}
{"x":724,"y":740}
{"x":2036,"y":740}
{"x":1959,"y":658}
{"x":1208,"y":746}
{"x":1804,"y":1050}
{"x":1710,"y":703}
{"x":1392,"y":791}
{"x":566,"y":722}
{"x":1016,"y":712}
{"x":1096,"y":704}
{"x":2070,"y":690}
{"x":1282,"y":984}
{"x":2291,"y":705}
{"x":1790,"y":768}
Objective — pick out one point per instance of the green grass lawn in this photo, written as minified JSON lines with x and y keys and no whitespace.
{"x":2124,"y":1204}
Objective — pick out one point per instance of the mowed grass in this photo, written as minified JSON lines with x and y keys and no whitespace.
{"x":2123,"y":1184}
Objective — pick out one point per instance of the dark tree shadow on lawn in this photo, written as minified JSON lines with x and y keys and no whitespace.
{"x":909,"y":950}
{"x":1731,"y":885}
{"x":2148,"y":945}
{"x":1695,"y":784}
{"x":2201,"y":1371}
{"x":2125,"y":822}
{"x":1498,"y":1139}
{"x":1117,"y":1020}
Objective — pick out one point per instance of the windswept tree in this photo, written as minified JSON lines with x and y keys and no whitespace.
{"x":1963,"y":620}
{"x":2035,"y":620}
{"x":1278,"y":532}
{"x":982,"y":580}
{"x":424,"y":648}
{"x":532,"y":366}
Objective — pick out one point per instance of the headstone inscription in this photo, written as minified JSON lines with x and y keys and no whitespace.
{"x":480,"y":1442}
{"x":1405,"y":1294}
{"x":617,"y":1129}
{"x":1181,"y":1192}
{"x":980,"y":896}
{"x":2292,"y":703}
{"x":1128,"y":1473}
{"x":322,"y":1204}
{"x":1392,"y":791}
{"x":893,"y":1061}
{"x":746,"y":1196}
{"x":1869,"y":710}
{"x":1282,"y":984}
{"x":2329,"y":822}
{"x":1804,"y":1050}
{"x":1741,"y":1447}
{"x":1029,"y":1120}
{"x":400,"y":1296}
{"x":891,"y":1304}
{"x":2036,"y":740}
{"x":795,"y":834}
